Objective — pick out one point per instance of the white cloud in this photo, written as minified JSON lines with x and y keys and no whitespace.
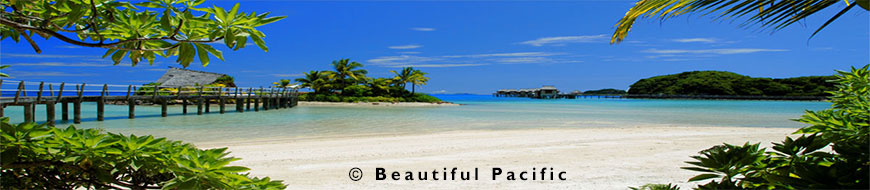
{"x":49,"y":74}
{"x":42,"y":55}
{"x":517,"y":54}
{"x":562,"y":40}
{"x":712,"y":51}
{"x":439,"y":65}
{"x":689,"y":40}
{"x":423,"y":29}
{"x":410,"y":52}
{"x":401,"y":60}
{"x":410,"y":46}
{"x":440,"y":92}
{"x":61,"y":64}
{"x":468,"y":60}
{"x":287,"y":75}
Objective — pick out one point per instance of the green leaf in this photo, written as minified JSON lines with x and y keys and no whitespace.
{"x":216,"y":53}
{"x":185,"y":54}
{"x":234,"y":169}
{"x":232,"y":14}
{"x":703,"y":177}
{"x":260,"y":43}
{"x":271,"y":20}
{"x":203,"y":55}
{"x":118,"y":55}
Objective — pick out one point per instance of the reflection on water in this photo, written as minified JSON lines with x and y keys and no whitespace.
{"x":479,"y":112}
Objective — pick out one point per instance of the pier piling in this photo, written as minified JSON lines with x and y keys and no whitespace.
{"x":131,"y":109}
{"x":198,"y":106}
{"x":221,"y":104}
{"x":164,"y":108}
{"x":28,"y":113}
{"x":49,"y":113}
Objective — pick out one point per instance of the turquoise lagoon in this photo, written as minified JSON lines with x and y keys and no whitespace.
{"x":478,"y":112}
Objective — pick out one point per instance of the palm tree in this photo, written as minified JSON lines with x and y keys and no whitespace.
{"x":283,"y":83}
{"x":346,"y":70}
{"x":410,"y":75}
{"x":418,"y":78}
{"x":315,"y":80}
{"x":775,"y":14}
{"x":403,"y":77}
{"x":379,"y":86}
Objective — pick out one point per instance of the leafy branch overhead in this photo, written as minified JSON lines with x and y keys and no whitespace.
{"x":138,"y":31}
{"x":774,"y":14}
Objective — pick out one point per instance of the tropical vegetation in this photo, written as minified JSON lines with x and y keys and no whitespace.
{"x":833,"y":152}
{"x":347,"y":82}
{"x":138,"y":31}
{"x":44,"y":157}
{"x":769,"y":14}
{"x":605,"y":91}
{"x":728,"y":83}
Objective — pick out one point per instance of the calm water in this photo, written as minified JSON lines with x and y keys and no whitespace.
{"x":479,"y":112}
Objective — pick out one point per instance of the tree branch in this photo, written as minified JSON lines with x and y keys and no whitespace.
{"x":29,"y":40}
{"x":96,"y":27}
{"x":113,"y":45}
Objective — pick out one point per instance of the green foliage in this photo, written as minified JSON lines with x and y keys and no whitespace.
{"x":417,"y":97}
{"x":728,"y":83}
{"x":283,"y":83}
{"x":346,"y":73}
{"x":1,"y":68}
{"x":776,"y":14}
{"x":148,"y":89}
{"x":606,"y":91}
{"x":349,"y":78}
{"x":802,"y":163}
{"x":139,"y":31}
{"x":357,"y":90}
{"x":226,"y":81}
{"x":43,"y":157}
{"x":410,"y":75}
{"x":656,"y":187}
{"x":315,"y":80}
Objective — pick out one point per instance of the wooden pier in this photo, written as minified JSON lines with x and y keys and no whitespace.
{"x":51,"y":94}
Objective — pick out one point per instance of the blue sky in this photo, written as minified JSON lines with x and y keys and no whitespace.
{"x":479,"y":47}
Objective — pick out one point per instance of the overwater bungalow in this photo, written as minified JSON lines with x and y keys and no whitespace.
{"x":546,"y":92}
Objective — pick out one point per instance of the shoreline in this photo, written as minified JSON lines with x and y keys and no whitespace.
{"x":593,"y":158}
{"x":399,"y":104}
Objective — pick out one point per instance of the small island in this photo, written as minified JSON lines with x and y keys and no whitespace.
{"x":731,"y":84}
{"x":347,"y":82}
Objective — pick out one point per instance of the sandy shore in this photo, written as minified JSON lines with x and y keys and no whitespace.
{"x":403,"y":104}
{"x":593,"y":158}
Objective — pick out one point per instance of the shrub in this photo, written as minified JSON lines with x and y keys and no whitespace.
{"x":225,"y":80}
{"x":42,"y":157}
{"x":356,"y":91}
{"x":419,"y":97}
{"x":800,"y":163}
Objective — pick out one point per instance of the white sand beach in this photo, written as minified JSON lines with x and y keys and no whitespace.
{"x":593,"y":158}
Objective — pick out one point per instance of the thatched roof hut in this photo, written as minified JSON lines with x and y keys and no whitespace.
{"x":175,"y":77}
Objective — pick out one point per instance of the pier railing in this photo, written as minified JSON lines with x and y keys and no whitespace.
{"x":30,"y":94}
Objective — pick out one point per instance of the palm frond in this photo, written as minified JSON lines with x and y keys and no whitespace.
{"x":767,"y":14}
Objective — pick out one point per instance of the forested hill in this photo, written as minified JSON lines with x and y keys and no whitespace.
{"x":728,"y":83}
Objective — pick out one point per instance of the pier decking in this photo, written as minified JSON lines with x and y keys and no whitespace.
{"x":41,"y":93}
